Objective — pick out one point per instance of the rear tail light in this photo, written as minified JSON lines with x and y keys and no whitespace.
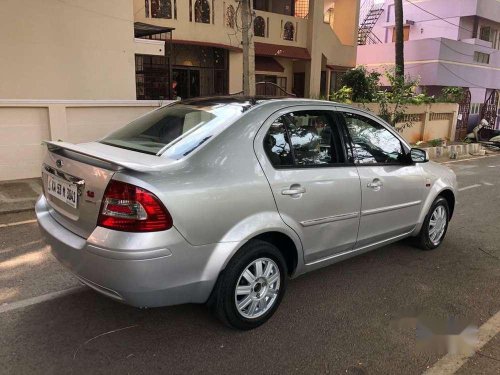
{"x":129,"y":208}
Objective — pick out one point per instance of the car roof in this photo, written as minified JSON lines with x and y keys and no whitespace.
{"x":241,"y":99}
{"x":253,"y":101}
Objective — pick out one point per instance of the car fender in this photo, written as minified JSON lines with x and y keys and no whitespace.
{"x":439,"y":185}
{"x":243,"y":232}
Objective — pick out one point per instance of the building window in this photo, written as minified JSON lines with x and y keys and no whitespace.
{"x":146,"y":8}
{"x":199,"y":71}
{"x":202,"y":11}
{"x":485,"y":33}
{"x":289,"y":31}
{"x":230,"y":17}
{"x":329,"y":16}
{"x":495,"y":39}
{"x":481,"y":57}
{"x":475,"y":108}
{"x":301,"y":8}
{"x":161,"y":9}
{"x":406,"y":33}
{"x":259,"y":27}
{"x":261,"y":5}
{"x":152,"y":77}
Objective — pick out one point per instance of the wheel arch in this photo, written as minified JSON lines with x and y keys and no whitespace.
{"x":265,"y":226}
{"x":284,"y":244}
{"x":438,"y":190}
{"x":450,"y":198}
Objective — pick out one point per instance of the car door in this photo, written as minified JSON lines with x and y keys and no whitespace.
{"x":317,"y":192}
{"x":392,"y":187}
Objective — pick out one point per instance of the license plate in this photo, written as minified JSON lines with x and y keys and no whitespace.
{"x":62,"y":190}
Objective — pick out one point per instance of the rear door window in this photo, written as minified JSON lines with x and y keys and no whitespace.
{"x":304,"y":139}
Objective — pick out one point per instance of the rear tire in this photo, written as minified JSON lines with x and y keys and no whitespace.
{"x":435,"y":225}
{"x":251,"y":287}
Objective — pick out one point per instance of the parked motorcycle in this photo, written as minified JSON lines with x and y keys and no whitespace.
{"x":485,"y":135}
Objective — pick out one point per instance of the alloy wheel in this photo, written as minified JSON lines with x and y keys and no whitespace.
{"x":437,"y":224}
{"x":257,"y":288}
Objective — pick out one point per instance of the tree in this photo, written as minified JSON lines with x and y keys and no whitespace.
{"x":364,"y":84}
{"x":248,"y":50}
{"x":400,"y":60}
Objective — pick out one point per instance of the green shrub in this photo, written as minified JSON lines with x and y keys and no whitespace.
{"x":436,"y":142}
{"x":452,"y":95}
{"x":361,"y":86}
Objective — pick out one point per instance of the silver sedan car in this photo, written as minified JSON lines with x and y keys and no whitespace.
{"x":221,"y":200}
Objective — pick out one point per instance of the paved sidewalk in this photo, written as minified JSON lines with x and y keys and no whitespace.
{"x":19,"y":195}
{"x":486,"y":361}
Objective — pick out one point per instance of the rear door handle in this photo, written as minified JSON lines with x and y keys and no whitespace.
{"x":294,"y":190}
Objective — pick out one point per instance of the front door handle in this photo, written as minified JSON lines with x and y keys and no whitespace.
{"x":294,"y":190}
{"x":375,"y":184}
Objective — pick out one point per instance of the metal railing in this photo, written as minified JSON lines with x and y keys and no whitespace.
{"x":269,"y":89}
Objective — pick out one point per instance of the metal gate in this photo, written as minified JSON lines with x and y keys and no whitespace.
{"x":489,"y":110}
{"x":463,"y":116}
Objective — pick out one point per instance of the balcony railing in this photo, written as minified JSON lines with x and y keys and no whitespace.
{"x":277,"y":28}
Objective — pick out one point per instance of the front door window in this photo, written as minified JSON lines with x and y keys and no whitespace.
{"x":373,"y":143}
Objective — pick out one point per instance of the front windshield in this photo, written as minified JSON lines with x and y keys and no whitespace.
{"x":176,"y":130}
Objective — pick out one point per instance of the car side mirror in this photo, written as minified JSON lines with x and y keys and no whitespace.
{"x":419,"y":156}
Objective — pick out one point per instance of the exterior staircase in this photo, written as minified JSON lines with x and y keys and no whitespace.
{"x":369,"y":15}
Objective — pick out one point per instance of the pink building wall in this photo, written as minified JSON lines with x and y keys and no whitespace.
{"x":441,"y":44}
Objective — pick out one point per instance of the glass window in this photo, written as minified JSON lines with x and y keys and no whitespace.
{"x":481,"y":57}
{"x":277,"y":145}
{"x":485,"y":33}
{"x":176,"y":130}
{"x":406,"y":33}
{"x":301,"y":8}
{"x":373,"y":143}
{"x":289,"y":31}
{"x":161,"y":9}
{"x":259,"y":27}
{"x":304,"y":138}
{"x":230,"y":17}
{"x":202,"y":11}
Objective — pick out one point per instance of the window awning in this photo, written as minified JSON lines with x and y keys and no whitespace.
{"x":267,"y":64}
{"x":144,"y":29}
{"x":287,"y":52}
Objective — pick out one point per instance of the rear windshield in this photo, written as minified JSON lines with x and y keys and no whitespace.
{"x":175,"y":130}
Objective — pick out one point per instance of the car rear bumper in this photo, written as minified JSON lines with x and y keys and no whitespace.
{"x":140,"y":269}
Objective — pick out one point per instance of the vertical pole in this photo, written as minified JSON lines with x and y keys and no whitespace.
{"x":248,"y":49}
{"x":168,"y":58}
{"x":400,"y":60}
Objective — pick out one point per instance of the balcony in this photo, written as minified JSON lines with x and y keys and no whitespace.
{"x":276,"y":28}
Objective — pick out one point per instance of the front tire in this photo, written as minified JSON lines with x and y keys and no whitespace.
{"x":435,"y":225}
{"x":251,"y":287}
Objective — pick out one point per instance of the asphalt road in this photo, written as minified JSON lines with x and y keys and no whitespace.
{"x":346,"y":318}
